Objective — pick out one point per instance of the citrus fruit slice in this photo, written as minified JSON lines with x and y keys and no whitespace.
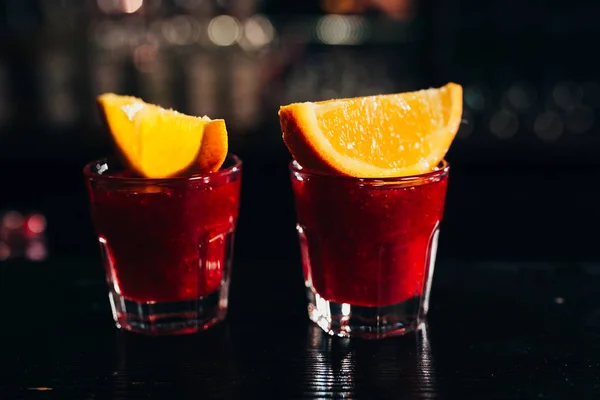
{"x":376,"y":136}
{"x":159,"y":143}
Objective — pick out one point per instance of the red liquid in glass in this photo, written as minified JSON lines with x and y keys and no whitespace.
{"x":166,"y":242}
{"x":366,"y":245}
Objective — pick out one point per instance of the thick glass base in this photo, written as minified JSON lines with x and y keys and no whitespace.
{"x":346,"y":320}
{"x":169,"y":318}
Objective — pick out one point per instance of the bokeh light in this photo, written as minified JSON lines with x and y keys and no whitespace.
{"x":341,"y":30}
{"x":504,"y":124}
{"x":258,"y":31}
{"x":123,"y":6}
{"x":548,"y":126}
{"x":224,"y":30}
{"x":131,"y":6}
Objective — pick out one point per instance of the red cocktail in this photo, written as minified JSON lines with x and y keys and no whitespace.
{"x":166,"y":244}
{"x":368,"y":248}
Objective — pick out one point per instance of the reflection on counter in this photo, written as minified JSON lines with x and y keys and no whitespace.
{"x":341,"y":366}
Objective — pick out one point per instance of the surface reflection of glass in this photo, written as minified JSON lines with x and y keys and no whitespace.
{"x":331,"y":366}
{"x":190,"y":366}
{"x":394,"y":368}
{"x":426,"y":366}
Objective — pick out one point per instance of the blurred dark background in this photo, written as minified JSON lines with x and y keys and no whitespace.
{"x":525,"y":163}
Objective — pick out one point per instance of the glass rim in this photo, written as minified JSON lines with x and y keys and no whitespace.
{"x":441,"y":170}
{"x":90,"y":174}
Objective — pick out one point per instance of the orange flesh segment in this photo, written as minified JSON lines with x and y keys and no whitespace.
{"x":160,"y":143}
{"x":376,"y":136}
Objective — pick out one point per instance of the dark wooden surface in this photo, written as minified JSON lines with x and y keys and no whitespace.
{"x":503,"y":330}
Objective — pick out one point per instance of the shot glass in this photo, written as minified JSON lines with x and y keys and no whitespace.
{"x":166,"y":245}
{"x":368,"y":249}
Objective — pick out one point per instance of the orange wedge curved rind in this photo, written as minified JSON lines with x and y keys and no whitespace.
{"x":213,"y":150}
{"x":376,"y":136}
{"x":158,"y":143}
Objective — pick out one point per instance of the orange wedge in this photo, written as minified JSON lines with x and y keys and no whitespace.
{"x":160,"y":143}
{"x":377,"y":136}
